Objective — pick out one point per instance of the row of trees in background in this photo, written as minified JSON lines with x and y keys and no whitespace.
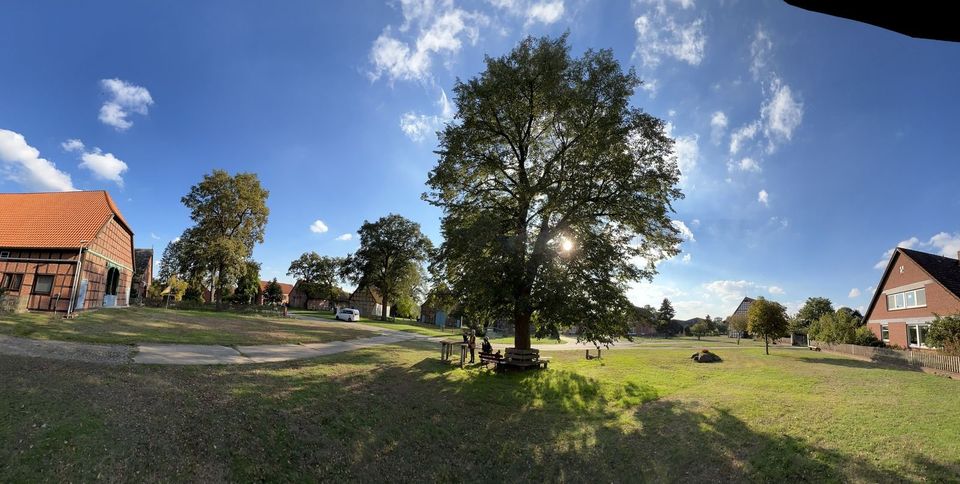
{"x":391,"y":258}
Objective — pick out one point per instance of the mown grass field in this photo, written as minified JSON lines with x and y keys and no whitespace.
{"x":396,"y":413}
{"x":141,"y":325}
{"x":398,"y":324}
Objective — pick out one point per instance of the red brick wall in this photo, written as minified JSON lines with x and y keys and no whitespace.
{"x":939,"y":300}
{"x":62,"y":271}
{"x":116,"y":244}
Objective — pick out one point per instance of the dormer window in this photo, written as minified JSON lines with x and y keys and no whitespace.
{"x":916,"y":298}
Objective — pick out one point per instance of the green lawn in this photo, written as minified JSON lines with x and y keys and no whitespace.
{"x":398,"y":324}
{"x":397,"y":413}
{"x":140,"y":325}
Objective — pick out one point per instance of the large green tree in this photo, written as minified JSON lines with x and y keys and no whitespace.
{"x":390,"y":258}
{"x":811,"y":311}
{"x":551,"y":183}
{"x":248,"y":284}
{"x":768,"y":319}
{"x":665,"y":315}
{"x":318,"y":274}
{"x":230,"y":215}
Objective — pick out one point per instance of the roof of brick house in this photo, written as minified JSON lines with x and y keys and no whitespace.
{"x":55,"y":220}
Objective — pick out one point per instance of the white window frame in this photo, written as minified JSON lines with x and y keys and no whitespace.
{"x":902,"y":297}
{"x":915,"y":329}
{"x":885,"y":328}
{"x":4,"y":254}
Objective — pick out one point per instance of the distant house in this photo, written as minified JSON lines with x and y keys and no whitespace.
{"x":65,"y":251}
{"x":914,"y":288}
{"x":300,"y":299}
{"x":285,"y":288}
{"x":742,"y":309}
{"x":142,"y":272}
{"x":368,"y":300}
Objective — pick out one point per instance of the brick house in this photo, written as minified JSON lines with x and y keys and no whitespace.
{"x":742,"y":309}
{"x":285,"y":288}
{"x":368,"y":301}
{"x":142,"y":273}
{"x":914,"y":288}
{"x":300,"y":299}
{"x":65,"y":251}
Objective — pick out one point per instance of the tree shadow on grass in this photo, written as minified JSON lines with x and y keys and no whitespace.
{"x":395,"y":416}
{"x":558,"y":426}
{"x":873,"y":364}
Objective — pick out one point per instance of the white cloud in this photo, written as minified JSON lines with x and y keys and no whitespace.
{"x":104,"y":165}
{"x":741,"y":135}
{"x":672,"y":113}
{"x":440,"y":29}
{"x":125,"y":98}
{"x":763,"y":197}
{"x":154,"y":236}
{"x":686,"y":258}
{"x":775,"y":290}
{"x":418,"y":126}
{"x":854,"y":293}
{"x":946,"y":244}
{"x":660,"y":34}
{"x":695,"y":222}
{"x":731,"y":291}
{"x":872,"y":289}
{"x":650,"y":85}
{"x":346,"y":236}
{"x":687,"y":149}
{"x":718,"y":126}
{"x":318,"y":227}
{"x":779,"y":222}
{"x":21,"y":163}
{"x":943,"y":243}
{"x":545,"y":12}
{"x":906,"y":244}
{"x":745,"y":164}
{"x":781,"y":115}
{"x":72,"y":145}
{"x":760,"y":50}
{"x":685,"y":232}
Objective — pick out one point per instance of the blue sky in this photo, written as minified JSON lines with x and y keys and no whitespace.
{"x":810,"y":146}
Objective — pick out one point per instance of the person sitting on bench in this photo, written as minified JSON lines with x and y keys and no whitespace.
{"x":486,"y":347}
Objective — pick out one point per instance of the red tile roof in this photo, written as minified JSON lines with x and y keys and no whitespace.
{"x":284,"y":287}
{"x":55,"y":220}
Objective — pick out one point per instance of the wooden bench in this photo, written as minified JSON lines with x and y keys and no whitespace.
{"x":496,"y":359}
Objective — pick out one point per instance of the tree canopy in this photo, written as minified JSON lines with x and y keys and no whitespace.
{"x":273,"y":293}
{"x":944,"y":333}
{"x":230,"y":215}
{"x":768,"y":319}
{"x":812,"y":310}
{"x":318,"y":275}
{"x":551,"y":184}
{"x":390,"y":258}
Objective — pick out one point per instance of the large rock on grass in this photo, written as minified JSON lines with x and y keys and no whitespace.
{"x":705,"y":356}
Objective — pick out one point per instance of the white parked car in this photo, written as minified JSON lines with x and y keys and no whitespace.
{"x":347,"y":314}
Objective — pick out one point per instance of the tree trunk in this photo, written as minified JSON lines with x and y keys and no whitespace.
{"x":521,"y":337}
{"x":766,"y":344}
{"x":383,"y":309}
{"x":738,"y":338}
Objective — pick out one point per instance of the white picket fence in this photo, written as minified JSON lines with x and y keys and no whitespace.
{"x":912,"y":358}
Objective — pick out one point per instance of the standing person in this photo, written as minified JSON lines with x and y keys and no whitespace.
{"x":472,"y":343}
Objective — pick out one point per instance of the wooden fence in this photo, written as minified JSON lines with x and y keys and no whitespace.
{"x":914,"y":359}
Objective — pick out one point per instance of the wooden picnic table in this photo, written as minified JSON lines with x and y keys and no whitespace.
{"x":446,"y":349}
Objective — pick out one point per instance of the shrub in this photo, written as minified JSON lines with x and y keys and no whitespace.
{"x":864,"y":337}
{"x":945,"y":334}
